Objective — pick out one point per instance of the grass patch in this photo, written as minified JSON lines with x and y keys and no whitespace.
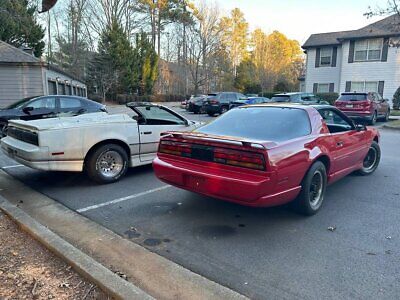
{"x":394,"y":124}
{"x":395,"y":113}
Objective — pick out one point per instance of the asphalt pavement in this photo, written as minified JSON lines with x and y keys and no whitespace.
{"x":261,"y":253}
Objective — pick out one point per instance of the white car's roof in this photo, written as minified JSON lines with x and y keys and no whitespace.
{"x":69,"y":122}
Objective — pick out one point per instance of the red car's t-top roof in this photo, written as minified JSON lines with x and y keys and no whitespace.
{"x":316,"y":121}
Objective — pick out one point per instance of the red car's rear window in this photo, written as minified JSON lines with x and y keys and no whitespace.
{"x":261,"y":123}
{"x":353,"y":97}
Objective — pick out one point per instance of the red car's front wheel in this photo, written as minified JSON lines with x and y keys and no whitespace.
{"x":371,"y":161}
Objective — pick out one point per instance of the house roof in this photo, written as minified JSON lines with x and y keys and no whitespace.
{"x":389,"y":26}
{"x":11,"y":54}
{"x":324,"y":39}
{"x":15,"y":56}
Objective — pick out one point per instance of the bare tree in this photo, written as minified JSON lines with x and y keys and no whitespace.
{"x":102,"y":13}
{"x":392,"y":8}
{"x":203,"y":44}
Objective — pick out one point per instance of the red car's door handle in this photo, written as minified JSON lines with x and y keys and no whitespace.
{"x":339,"y":144}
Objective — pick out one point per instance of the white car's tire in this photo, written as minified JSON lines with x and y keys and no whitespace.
{"x":107,"y":163}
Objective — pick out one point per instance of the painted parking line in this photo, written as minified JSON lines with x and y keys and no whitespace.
{"x":119,"y":200}
{"x":12,"y":167}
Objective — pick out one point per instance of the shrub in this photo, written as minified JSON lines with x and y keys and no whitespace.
{"x":328,"y":97}
{"x":396,"y":99}
{"x":123,"y":98}
{"x":268,"y":94}
{"x":95,"y":97}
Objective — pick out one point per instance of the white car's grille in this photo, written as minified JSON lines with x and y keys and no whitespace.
{"x":23,"y":135}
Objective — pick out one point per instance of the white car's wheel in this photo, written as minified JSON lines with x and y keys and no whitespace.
{"x":107,"y":163}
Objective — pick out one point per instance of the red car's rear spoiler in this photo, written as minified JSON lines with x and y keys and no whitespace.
{"x":218,"y":138}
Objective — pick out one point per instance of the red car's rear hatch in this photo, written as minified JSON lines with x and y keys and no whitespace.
{"x":353,"y":102}
{"x":230,"y":151}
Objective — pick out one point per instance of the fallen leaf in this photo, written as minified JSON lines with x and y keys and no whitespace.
{"x":64,"y":285}
{"x":332,"y":228}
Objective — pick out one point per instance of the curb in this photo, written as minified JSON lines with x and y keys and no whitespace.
{"x":87,"y":267}
{"x":391,"y":127}
{"x":147,"y":271}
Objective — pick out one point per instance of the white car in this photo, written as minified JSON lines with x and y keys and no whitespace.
{"x":103,"y":145}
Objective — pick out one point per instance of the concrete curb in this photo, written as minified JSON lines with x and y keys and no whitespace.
{"x":391,"y":127}
{"x":156,"y":275}
{"x":87,"y":267}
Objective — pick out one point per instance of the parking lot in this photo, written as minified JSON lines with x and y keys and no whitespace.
{"x":261,"y":253}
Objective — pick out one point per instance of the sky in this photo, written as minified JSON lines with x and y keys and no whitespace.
{"x":298,"y":19}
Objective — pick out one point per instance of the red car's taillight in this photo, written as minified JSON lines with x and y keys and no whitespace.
{"x":239,"y":159}
{"x":366,"y":104}
{"x":174,"y":148}
{"x":235,"y":158}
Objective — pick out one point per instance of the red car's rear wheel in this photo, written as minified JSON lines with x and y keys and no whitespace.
{"x":313,"y":190}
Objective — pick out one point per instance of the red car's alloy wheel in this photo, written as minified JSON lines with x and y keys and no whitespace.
{"x":370,"y":160}
{"x":316,"y":189}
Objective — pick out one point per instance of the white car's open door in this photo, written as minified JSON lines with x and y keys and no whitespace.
{"x":153,"y":121}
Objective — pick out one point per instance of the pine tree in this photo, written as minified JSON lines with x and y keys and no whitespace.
{"x":19,"y":27}
{"x":110,"y":68}
{"x":144,"y":65}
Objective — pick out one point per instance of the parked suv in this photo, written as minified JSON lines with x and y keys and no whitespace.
{"x":364,"y":106}
{"x":218,"y":103}
{"x":303,"y":98}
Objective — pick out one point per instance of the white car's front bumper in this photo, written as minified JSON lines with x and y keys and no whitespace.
{"x":37,"y":157}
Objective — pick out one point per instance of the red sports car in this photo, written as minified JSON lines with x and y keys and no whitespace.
{"x":268,"y":155}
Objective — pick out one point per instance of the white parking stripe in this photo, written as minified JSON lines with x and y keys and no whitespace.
{"x":122,"y":199}
{"x":12,"y":167}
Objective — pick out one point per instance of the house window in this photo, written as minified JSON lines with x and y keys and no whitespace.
{"x":323,"y":88}
{"x":364,"y":86}
{"x":61,"y":88}
{"x":326,"y":57}
{"x":368,"y":50}
{"x":52,"y":87}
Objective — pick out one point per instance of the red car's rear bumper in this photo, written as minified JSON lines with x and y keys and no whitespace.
{"x":243,"y":188}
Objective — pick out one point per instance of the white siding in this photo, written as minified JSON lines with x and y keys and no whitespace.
{"x":322,"y":74}
{"x":17,"y":82}
{"x":388,"y":71}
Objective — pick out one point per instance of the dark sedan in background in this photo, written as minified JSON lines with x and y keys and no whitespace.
{"x":196,"y":104}
{"x":40,"y":107}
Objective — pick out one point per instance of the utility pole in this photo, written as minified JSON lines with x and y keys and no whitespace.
{"x":49,"y":53}
{"x":46,"y":6}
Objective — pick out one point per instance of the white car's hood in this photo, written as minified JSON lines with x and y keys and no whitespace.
{"x":70,"y":122}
